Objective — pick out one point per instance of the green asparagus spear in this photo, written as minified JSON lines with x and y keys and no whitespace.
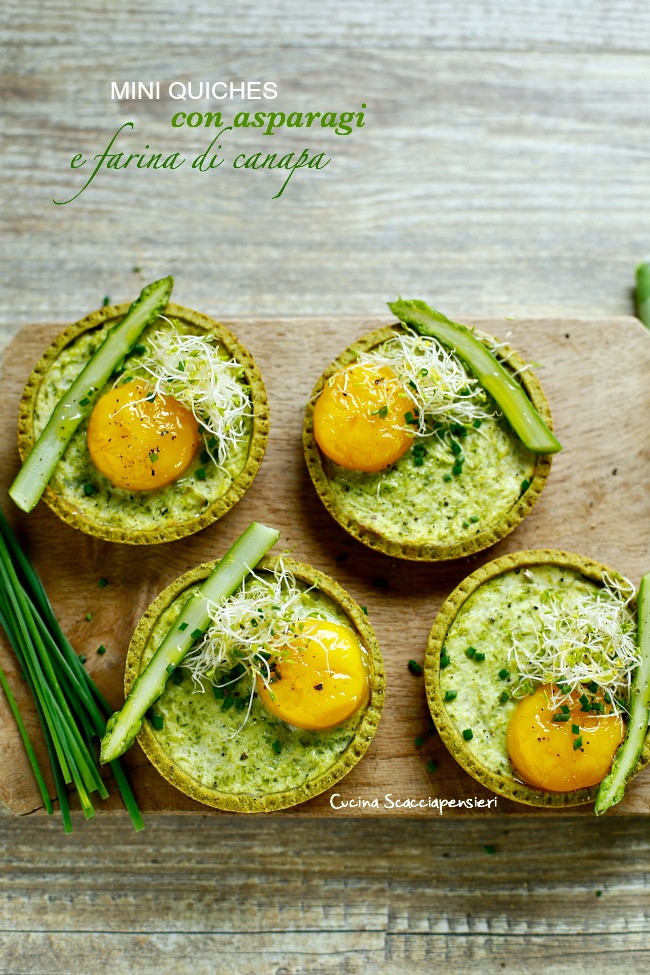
{"x":77,"y":403}
{"x":613,"y":785}
{"x":227,"y":576}
{"x":497,"y":381}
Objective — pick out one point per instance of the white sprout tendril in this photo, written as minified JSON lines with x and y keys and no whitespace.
{"x":434,"y":379}
{"x":255,"y":624}
{"x":591,"y":638}
{"x":192,"y":370}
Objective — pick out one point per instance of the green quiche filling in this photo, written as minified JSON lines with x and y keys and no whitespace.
{"x":78,"y":482}
{"x":493,"y":656}
{"x":207,"y":732}
{"x":465,"y":469}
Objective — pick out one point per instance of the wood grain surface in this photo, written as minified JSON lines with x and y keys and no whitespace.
{"x":595,"y":500}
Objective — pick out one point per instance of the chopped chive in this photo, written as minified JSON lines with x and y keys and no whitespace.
{"x":106,"y":301}
{"x":476,"y":423}
{"x":468,"y":734}
{"x":181,"y":366}
{"x":415,"y":668}
{"x":412,"y":384}
{"x":561,"y":717}
{"x":504,"y":697}
{"x":170,"y":668}
{"x":418,"y":741}
{"x":364,"y":610}
{"x":157,"y":721}
{"x":277,"y":747}
{"x":444,"y":661}
{"x":593,"y":687}
{"x":456,"y":447}
{"x":200,"y":473}
{"x":479,"y":657}
{"x":457,"y":469}
{"x":584,"y":700}
{"x":89,"y":617}
{"x":82,"y":658}
{"x":577,"y":743}
{"x":471,"y":651}
{"x":525,"y":484}
{"x":218,"y":692}
{"x":177,"y":676}
{"x":84,"y":402}
{"x":565,"y":709}
{"x":504,"y":673}
{"x":465,"y":524}
{"x":432,"y":766}
{"x":228,"y":702}
{"x":451,"y":695}
{"x":473,"y":519}
{"x":575,"y":729}
{"x":446,"y":477}
{"x":489,"y":849}
{"x":153,"y":456}
{"x":88,"y":490}
{"x":196,"y":634}
{"x":101,"y":649}
{"x":564,"y":688}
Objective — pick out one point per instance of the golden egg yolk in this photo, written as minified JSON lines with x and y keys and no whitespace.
{"x":360,"y":418}
{"x":139,"y":443}
{"x":544,"y":752}
{"x":320,"y":678}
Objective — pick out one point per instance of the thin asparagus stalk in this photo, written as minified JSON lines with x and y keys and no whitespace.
{"x":193,"y":620}
{"x":497,"y":381}
{"x":77,"y":403}
{"x":613,"y":785}
{"x":642,"y":294}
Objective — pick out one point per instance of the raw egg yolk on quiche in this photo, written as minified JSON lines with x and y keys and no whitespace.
{"x":575,"y":751}
{"x":319,"y":680}
{"x":140,"y":441}
{"x":360,"y":418}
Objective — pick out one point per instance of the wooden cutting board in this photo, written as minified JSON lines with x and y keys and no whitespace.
{"x":597,"y":503}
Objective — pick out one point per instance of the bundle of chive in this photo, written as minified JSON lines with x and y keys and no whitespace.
{"x":71,"y":710}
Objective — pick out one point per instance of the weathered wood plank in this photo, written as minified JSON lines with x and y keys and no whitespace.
{"x":496,"y":184}
{"x":346,"y":899}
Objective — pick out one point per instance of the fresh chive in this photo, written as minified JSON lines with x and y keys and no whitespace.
{"x":228,"y":702}
{"x":465,"y":524}
{"x":457,"y":469}
{"x":471,"y":651}
{"x":444,"y":661}
{"x":196,"y":634}
{"x":157,"y":721}
{"x":89,"y":617}
{"x":277,"y":747}
{"x":218,"y":692}
{"x":101,"y":649}
{"x":451,"y":695}
{"x":89,"y":490}
{"x":504,"y":673}
{"x":473,"y":519}
{"x":418,"y":741}
{"x":139,"y":348}
{"x":476,"y":423}
{"x":69,"y":706}
{"x":584,"y":700}
{"x":525,"y":484}
{"x":479,"y":657}
{"x":102,"y":583}
{"x":446,"y":477}
{"x":182,"y":626}
{"x":432,"y":766}
{"x":468,"y":734}
{"x":561,"y":717}
{"x":177,"y":676}
{"x":200,"y":474}
{"x":170,"y":668}
{"x":456,"y":447}
{"x":153,"y":456}
{"x":565,"y":709}
{"x":575,"y":729}
{"x":593,"y":687}
{"x":415,"y":668}
{"x":577,"y":743}
{"x":85,"y":401}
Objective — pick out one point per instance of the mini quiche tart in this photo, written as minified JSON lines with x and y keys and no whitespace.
{"x":432,"y":471}
{"x":174,"y":439}
{"x":257,"y":740}
{"x":528,"y":672}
